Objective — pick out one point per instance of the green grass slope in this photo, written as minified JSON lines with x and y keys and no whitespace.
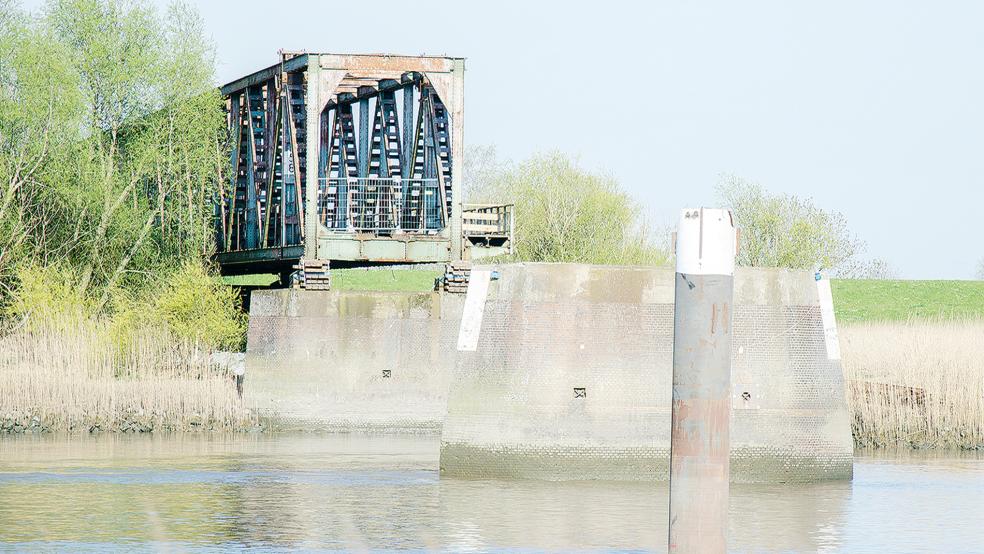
{"x":405,"y":280}
{"x":877,"y":300}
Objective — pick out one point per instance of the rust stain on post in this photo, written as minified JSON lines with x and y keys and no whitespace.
{"x":700,"y":435}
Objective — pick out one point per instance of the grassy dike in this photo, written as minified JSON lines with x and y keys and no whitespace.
{"x":857,"y":301}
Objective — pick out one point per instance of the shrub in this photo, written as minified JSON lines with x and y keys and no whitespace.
{"x":47,"y":296}
{"x":197,"y":307}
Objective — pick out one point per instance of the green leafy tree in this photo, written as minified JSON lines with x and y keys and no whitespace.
{"x":564,"y":213}
{"x":111,"y":133}
{"x":147,"y":171}
{"x":40,"y":117}
{"x":781,"y":230}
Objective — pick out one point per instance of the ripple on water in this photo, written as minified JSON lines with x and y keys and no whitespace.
{"x":350,"y":492}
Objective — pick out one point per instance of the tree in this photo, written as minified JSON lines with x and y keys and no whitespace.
{"x":781,"y":230}
{"x":40,"y":117}
{"x":109,"y":132}
{"x":154,"y":118}
{"x":564,"y":213}
{"x":878,"y":269}
{"x":480,"y":172}
{"x":980,"y":269}
{"x":111,"y":146}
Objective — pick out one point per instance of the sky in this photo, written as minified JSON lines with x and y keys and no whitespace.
{"x":872,"y":109}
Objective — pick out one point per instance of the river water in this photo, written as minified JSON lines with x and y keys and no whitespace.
{"x":275,"y":492}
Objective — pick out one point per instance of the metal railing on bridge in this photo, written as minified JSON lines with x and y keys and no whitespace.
{"x":487,"y":220}
{"x":382,"y":205}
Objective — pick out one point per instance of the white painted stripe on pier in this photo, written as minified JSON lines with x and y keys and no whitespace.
{"x":474,"y":310}
{"x":829,"y":322}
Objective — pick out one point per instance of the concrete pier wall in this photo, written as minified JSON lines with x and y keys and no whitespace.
{"x":316,"y":360}
{"x":349,"y":361}
{"x":572,"y":375}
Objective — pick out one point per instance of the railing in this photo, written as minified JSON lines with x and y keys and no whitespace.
{"x":381,"y":205}
{"x":487,"y":220}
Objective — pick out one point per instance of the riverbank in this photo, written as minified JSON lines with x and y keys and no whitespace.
{"x":915,"y":383}
{"x":911,"y":380}
{"x":86,"y":379}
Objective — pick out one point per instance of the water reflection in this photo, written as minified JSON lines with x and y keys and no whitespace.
{"x":356,"y":492}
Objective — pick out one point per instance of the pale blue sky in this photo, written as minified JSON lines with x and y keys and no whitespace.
{"x":872,"y":109}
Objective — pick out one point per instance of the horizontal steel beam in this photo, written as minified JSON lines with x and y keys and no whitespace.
{"x":357,"y":63}
{"x":260,"y":255}
{"x":264,"y":75}
{"x":387,"y":62}
{"x":384,"y":85}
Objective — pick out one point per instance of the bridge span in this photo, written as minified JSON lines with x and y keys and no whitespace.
{"x":350,"y":158}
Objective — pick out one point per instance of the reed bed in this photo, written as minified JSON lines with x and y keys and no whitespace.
{"x":915,"y":383}
{"x":90,"y":377}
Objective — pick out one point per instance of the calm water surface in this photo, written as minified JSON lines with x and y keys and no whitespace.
{"x":311,"y":492}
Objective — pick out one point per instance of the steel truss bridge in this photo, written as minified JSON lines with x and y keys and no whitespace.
{"x":353,"y":159}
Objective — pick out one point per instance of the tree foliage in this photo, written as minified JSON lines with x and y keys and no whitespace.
{"x":781,"y":230}
{"x":110,"y":134}
{"x":109,"y":125}
{"x":563,"y":213}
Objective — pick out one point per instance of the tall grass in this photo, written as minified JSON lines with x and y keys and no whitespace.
{"x":915,"y":383}
{"x":81,"y":377}
{"x":141,"y":363}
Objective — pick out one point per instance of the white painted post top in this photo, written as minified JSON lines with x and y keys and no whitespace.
{"x":706,"y":242}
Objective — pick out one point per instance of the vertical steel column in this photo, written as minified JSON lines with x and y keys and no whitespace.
{"x":363,"y":138}
{"x":406,"y":169}
{"x":236,"y":132}
{"x":289,"y":172}
{"x":252,"y":215}
{"x":312,"y":145}
{"x":456,"y":108}
{"x":700,"y":433}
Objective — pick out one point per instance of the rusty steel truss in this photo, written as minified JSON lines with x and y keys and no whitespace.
{"x":352,"y":158}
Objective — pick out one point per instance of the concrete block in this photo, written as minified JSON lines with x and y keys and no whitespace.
{"x":571,"y":378}
{"x":548,"y":329}
{"x":351,"y":361}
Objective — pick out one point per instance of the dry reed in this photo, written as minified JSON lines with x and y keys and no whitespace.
{"x":915,"y":383}
{"x":88,"y":377}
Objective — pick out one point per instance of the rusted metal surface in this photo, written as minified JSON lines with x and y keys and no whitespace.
{"x":386,"y":62}
{"x":701,"y":407}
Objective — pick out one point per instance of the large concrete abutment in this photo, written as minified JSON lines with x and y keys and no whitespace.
{"x":572,"y":375}
{"x":570,"y":379}
{"x":351,"y":361}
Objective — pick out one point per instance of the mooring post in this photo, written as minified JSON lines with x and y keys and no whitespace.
{"x":700,"y":439}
